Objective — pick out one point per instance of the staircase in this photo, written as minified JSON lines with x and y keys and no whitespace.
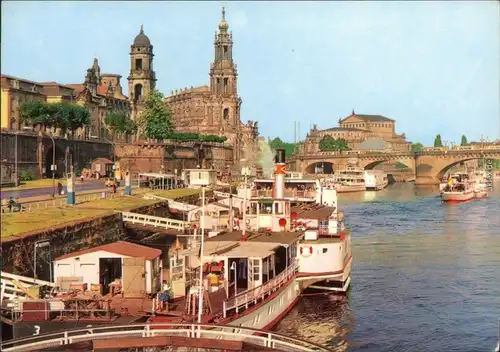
{"x":155,"y":221}
{"x":16,"y":286}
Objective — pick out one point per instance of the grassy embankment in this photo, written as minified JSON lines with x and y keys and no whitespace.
{"x":19,"y":223}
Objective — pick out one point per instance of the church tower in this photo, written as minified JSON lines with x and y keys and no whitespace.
{"x":142,"y":78}
{"x":223,"y":77}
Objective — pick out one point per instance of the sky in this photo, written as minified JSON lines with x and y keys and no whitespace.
{"x":434,"y":67}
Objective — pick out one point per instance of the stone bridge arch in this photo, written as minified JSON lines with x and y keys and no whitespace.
{"x":326,"y":167}
{"x":371,"y":164}
{"x":431,"y":168}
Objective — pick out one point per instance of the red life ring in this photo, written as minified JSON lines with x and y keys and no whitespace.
{"x":306,"y":251}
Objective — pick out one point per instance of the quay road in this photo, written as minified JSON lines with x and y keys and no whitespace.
{"x":88,"y":185}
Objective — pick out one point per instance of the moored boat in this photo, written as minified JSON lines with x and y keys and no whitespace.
{"x":458,"y":191}
{"x":350,"y":179}
{"x":375,"y":180}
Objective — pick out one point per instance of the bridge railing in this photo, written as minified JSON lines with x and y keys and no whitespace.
{"x":13,"y":286}
{"x":260,"y":338}
{"x":156,"y":221}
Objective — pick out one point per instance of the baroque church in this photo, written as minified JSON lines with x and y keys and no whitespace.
{"x":209,"y":109}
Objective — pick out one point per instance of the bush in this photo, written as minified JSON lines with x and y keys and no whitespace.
{"x":27,"y":175}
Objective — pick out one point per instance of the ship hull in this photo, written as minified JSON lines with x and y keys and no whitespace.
{"x":378,"y":186}
{"x":457,"y":197}
{"x":350,"y":188}
{"x":268,"y":313}
{"x":335,"y":282}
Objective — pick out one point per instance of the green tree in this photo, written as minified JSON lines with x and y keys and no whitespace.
{"x":59,"y":115}
{"x":464,"y":142}
{"x":290,"y":148}
{"x":156,"y":119}
{"x":328,"y":143}
{"x":438,"y":143}
{"x":118,"y":122}
{"x":417,"y":147}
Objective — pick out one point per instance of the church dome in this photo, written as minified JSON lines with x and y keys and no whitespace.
{"x":141,"y":40}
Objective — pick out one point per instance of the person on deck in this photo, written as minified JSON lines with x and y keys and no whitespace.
{"x":165,"y":295}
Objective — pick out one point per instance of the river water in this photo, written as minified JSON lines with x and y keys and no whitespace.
{"x":425,"y":276}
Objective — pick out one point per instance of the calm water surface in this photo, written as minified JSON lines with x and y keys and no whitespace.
{"x":425,"y":277}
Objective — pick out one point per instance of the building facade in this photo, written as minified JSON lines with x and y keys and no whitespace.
{"x":215,"y":108}
{"x":99,"y":93}
{"x":362,"y":132}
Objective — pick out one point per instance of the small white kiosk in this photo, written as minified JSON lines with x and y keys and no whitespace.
{"x":197,"y":178}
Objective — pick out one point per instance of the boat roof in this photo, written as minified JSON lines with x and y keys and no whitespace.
{"x":282,"y":237}
{"x":313,"y":211}
{"x":258,"y":244}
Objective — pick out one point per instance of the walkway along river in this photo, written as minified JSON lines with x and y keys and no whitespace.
{"x":426,"y":276}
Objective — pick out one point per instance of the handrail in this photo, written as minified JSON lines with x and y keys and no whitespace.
{"x":154,"y":221}
{"x":259,"y":292}
{"x":172,"y":203}
{"x":225,"y":332}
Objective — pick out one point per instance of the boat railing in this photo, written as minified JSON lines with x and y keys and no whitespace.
{"x":244,"y":299}
{"x":114,"y":334}
{"x":291,"y":193}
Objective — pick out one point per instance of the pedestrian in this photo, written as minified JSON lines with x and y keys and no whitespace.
{"x":165,"y":295}
{"x":114,"y":187}
{"x":59,"y":188}
{"x":81,"y":178}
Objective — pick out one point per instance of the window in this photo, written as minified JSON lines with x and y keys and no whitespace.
{"x":226,"y":84}
{"x":225,"y":114}
{"x":138,"y":91}
{"x":225,"y":51}
{"x":325,"y":250}
{"x":138,"y":64}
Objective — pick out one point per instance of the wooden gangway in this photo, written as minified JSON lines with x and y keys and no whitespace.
{"x":172,"y":204}
{"x":16,"y":286}
{"x":155,"y":221}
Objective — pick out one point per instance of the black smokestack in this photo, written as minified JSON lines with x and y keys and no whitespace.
{"x":280,"y":156}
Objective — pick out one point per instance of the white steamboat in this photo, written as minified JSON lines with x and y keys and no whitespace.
{"x":253,"y":275}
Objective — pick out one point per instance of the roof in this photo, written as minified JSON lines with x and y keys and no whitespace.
{"x":340,"y":129}
{"x":102,"y":160}
{"x":77,"y":87}
{"x":20,"y":79}
{"x":120,"y":247}
{"x":374,"y":118}
{"x":141,"y":40}
{"x":313,"y":211}
{"x":110,"y":75}
{"x":258,"y":237}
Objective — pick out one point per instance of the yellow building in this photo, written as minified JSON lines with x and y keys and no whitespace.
{"x":15,"y":92}
{"x":362,"y":132}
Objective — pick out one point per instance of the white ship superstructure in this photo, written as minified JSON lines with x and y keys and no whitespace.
{"x":375,"y":180}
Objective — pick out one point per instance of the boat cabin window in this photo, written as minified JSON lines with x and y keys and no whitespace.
{"x":265,"y":208}
{"x":325,"y":250}
{"x":253,"y":209}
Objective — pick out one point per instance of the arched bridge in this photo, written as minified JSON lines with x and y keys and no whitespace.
{"x":429,"y":166}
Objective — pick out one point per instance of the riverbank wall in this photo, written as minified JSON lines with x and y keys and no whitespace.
{"x":18,"y":252}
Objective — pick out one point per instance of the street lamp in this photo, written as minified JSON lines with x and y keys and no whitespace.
{"x":53,"y":166}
